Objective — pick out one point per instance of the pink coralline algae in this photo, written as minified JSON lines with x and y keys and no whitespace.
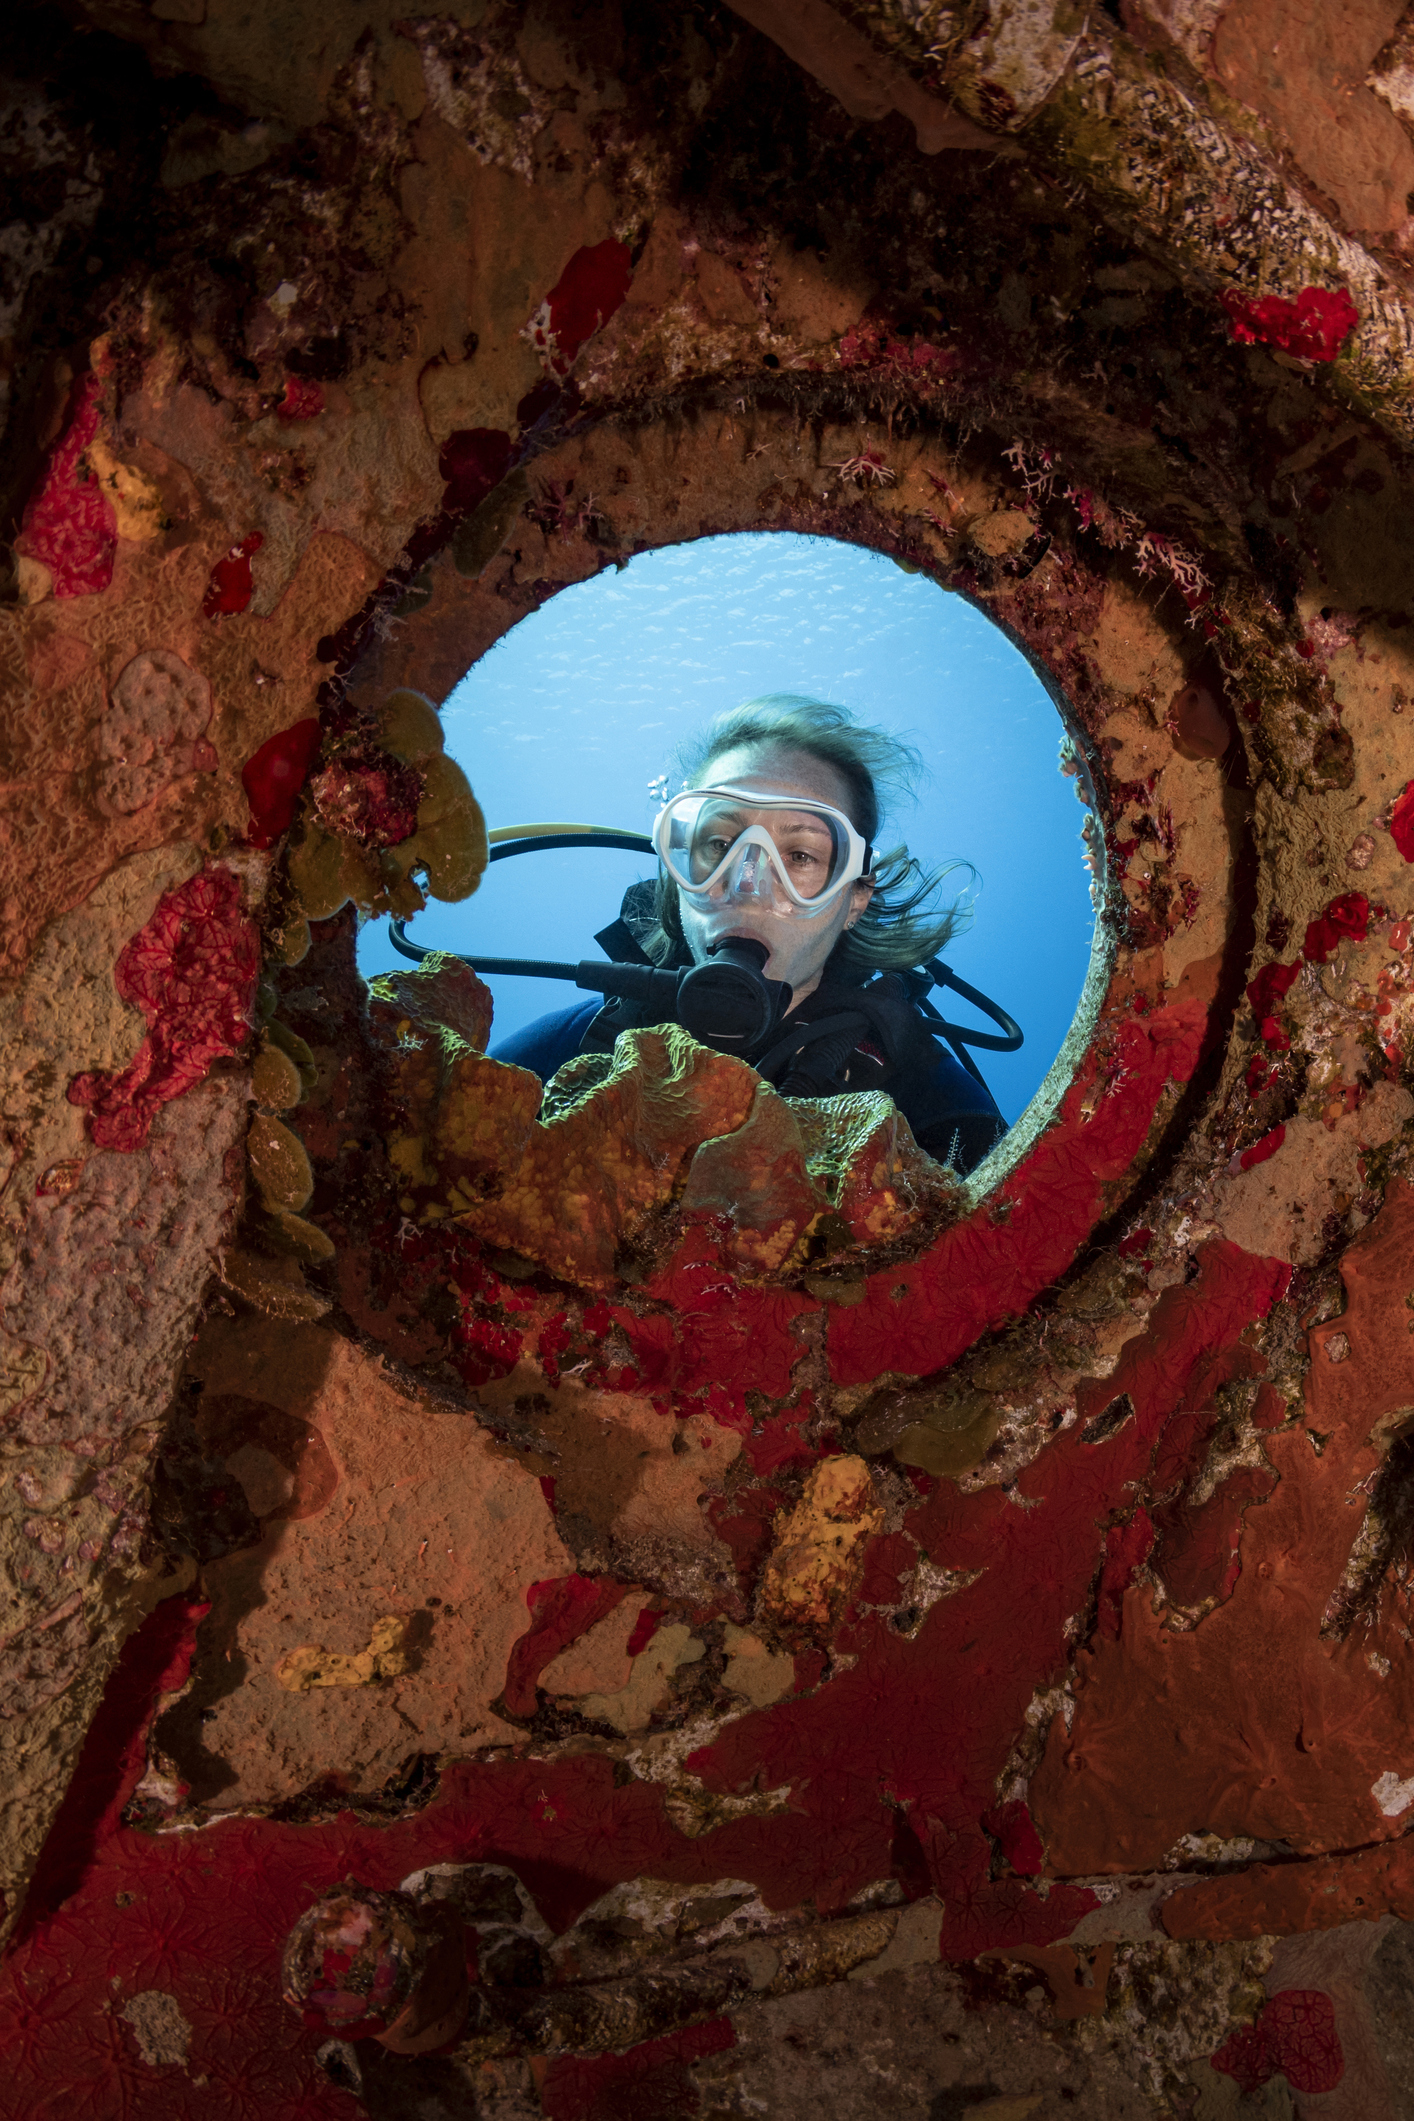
{"x":192,"y":972}
{"x":69,"y":524}
{"x":273,"y":777}
{"x":1295,"y":2036}
{"x":230,"y":588}
{"x":369,"y":797}
{"x":874,"y":345}
{"x":1314,"y":327}
{"x":581,"y":302}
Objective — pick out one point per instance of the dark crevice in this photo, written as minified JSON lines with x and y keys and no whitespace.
{"x":1383,"y":1548}
{"x":1109,"y":1420}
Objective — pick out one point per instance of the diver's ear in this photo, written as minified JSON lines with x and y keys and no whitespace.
{"x":859,"y":897}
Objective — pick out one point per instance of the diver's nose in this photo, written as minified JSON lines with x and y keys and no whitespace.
{"x":746,"y":878}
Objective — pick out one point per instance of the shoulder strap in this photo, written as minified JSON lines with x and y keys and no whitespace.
{"x":809,"y":1060}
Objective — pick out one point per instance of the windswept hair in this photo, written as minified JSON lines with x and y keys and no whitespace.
{"x":903,"y":924}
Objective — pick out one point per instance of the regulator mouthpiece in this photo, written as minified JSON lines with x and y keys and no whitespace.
{"x":729,"y":1003}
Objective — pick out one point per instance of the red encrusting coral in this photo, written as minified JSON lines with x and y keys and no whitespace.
{"x":1261,"y":1150}
{"x":69,"y":524}
{"x":1197,"y":1551}
{"x":1295,"y":2037}
{"x":563,"y":1610}
{"x":1401,"y":822}
{"x":368,"y":796}
{"x":485,"y":1349}
{"x":643,"y":2081}
{"x":1153,"y":1713}
{"x":744,"y":1522}
{"x":781,"y":1441}
{"x":273,"y":777}
{"x":1314,"y":327}
{"x":1346,"y":918}
{"x":231,"y":586}
{"x":720,"y":1340}
{"x":192,"y":972}
{"x":1127,"y":1547}
{"x":581,"y":302}
{"x":302,"y":400}
{"x":920,"y":1317}
{"x":865,"y":1728}
{"x":155,"y":1660}
{"x":486,"y":1344}
{"x":644,"y":1629}
{"x":1014,"y":1831}
{"x":1270,"y":986}
{"x":876,"y":1784}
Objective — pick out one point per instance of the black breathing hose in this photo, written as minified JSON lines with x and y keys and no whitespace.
{"x":727,"y":1002}
{"x":731,"y":987}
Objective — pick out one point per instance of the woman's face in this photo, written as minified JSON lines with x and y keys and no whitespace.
{"x":798,"y":947}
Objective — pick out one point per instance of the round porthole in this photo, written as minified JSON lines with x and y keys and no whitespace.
{"x":1051,"y":670}
{"x":578,"y":714}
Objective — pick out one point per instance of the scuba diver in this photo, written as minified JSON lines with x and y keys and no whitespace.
{"x":777,"y":932}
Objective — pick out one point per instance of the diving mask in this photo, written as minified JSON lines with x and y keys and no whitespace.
{"x":783,"y":854}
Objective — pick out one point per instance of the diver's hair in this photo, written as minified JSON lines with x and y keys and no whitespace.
{"x":902,"y":925}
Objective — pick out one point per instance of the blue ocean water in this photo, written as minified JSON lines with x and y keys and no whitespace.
{"x":577,"y":709}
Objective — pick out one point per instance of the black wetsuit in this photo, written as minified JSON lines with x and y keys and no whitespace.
{"x":841,"y":1037}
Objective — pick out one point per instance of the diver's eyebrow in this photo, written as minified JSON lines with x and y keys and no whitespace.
{"x":805,"y":821}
